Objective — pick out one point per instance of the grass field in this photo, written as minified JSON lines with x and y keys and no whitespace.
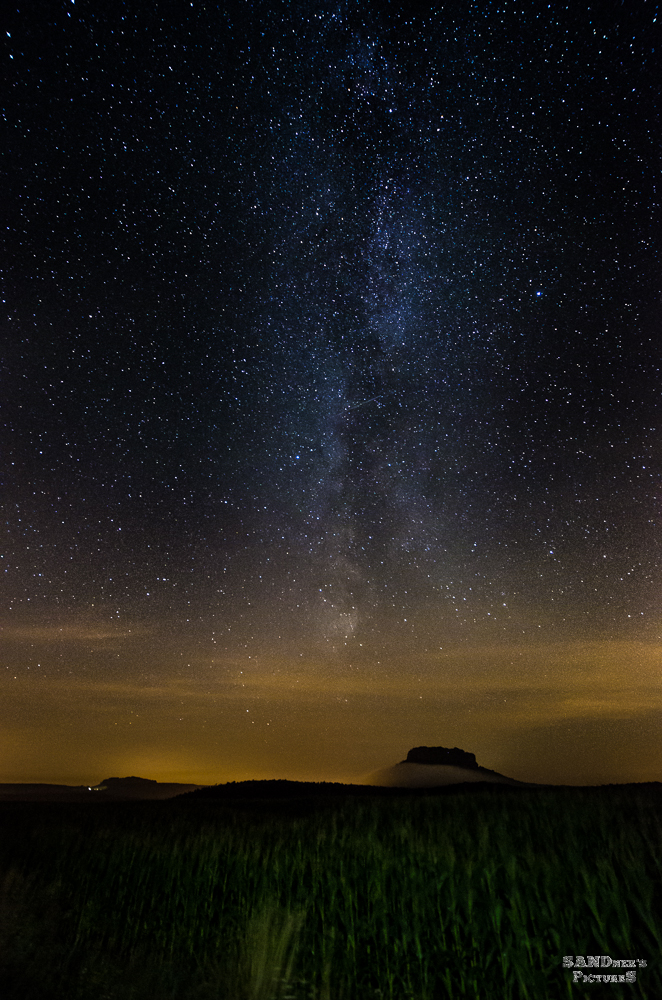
{"x":427,"y":897}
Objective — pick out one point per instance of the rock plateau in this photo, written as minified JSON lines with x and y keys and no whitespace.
{"x":431,"y":767}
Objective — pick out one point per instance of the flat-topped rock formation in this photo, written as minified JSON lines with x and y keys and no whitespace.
{"x":109,"y":790}
{"x":114,"y":784}
{"x":432,"y":767}
{"x":135,"y":789}
{"x":441,"y":755}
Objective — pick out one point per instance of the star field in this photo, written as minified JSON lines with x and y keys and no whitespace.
{"x":331,"y":363}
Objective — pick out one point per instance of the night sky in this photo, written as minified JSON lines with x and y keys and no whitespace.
{"x":331,"y":389}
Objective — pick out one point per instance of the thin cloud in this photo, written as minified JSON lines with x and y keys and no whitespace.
{"x":72,"y":633}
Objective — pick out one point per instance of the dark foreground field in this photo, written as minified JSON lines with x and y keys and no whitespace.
{"x":258,"y":892}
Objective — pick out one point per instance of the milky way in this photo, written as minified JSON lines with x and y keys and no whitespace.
{"x":331,"y":359}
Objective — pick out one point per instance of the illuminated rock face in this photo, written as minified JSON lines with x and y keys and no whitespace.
{"x":441,"y":755}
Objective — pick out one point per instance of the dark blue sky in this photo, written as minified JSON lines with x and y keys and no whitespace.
{"x":331,"y":339}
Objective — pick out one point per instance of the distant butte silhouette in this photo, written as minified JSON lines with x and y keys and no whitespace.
{"x":431,"y":767}
{"x":132,"y":780}
{"x":441,"y":755}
